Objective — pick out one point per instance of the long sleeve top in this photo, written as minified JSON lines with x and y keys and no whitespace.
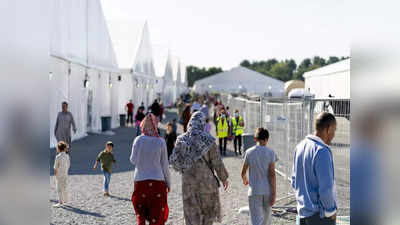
{"x":313,"y":178}
{"x":149,"y":155}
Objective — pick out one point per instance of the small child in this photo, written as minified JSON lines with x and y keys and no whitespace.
{"x":208,"y":126}
{"x":107,"y":159}
{"x":260,"y":160}
{"x":61,"y":167}
{"x":170,"y":138}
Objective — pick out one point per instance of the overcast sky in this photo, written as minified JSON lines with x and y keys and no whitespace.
{"x":224,"y":32}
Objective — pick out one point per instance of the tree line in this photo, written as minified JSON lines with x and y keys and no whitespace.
{"x":283,"y":70}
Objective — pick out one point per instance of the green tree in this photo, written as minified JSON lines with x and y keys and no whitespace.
{"x":333,"y":59}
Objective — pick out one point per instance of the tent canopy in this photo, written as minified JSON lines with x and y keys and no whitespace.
{"x":241,"y":79}
{"x":292,"y":84}
{"x":144,"y":57}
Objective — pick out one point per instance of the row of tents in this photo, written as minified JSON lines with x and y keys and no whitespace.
{"x":85,"y":72}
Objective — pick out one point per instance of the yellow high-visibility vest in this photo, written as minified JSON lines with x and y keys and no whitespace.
{"x":236,"y":128}
{"x":222,"y":128}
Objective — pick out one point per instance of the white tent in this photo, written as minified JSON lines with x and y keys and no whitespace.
{"x":81,"y":50}
{"x":168,"y":83}
{"x":332,"y":80}
{"x":240,"y":79}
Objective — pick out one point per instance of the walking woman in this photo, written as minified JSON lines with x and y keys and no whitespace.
{"x":152,"y":177}
{"x":195,"y":156}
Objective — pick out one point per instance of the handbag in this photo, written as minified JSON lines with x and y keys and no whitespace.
{"x":212,"y":171}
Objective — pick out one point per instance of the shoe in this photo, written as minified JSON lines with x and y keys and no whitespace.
{"x":106,"y":194}
{"x":57,"y":205}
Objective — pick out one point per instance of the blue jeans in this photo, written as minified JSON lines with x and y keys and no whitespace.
{"x":107,"y":178}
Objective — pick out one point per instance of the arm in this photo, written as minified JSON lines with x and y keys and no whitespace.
{"x":323,"y":167}
{"x":97,"y":161}
{"x":293,"y":183}
{"x":114,"y":161}
{"x":56,"y":165}
{"x":244,"y":172}
{"x":56,"y":126}
{"x":134,"y":151}
{"x":73,"y":122}
{"x":218,"y":165}
{"x":165,"y":164}
{"x":272,"y":182}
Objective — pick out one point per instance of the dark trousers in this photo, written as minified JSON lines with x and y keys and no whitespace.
{"x":222,"y":150}
{"x":316,"y":220}
{"x":237,"y":143}
{"x":130,"y":118}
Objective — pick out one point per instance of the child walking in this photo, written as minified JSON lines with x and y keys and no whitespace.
{"x":61,"y":167}
{"x":106,"y":158}
{"x":170,"y":138}
{"x":260,"y":160}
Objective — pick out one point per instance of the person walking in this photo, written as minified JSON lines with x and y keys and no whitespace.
{"x":313,"y":174}
{"x":155,"y":108}
{"x":138,"y":119}
{"x":106,"y":157}
{"x":186,"y":117}
{"x":260,"y":161}
{"x":129,"y":111}
{"x":170,"y":138}
{"x":61,"y":167}
{"x":62,"y":129}
{"x":204,"y":109}
{"x":222,"y":132}
{"x":237,"y":131}
{"x":151,"y":177}
{"x":195,"y":156}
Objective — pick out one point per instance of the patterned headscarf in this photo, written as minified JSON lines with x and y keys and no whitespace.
{"x":192,"y":145}
{"x":148,"y":126}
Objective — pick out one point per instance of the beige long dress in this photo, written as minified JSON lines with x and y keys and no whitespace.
{"x":201,"y":204}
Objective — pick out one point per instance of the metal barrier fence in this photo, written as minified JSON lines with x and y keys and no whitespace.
{"x":288,"y":122}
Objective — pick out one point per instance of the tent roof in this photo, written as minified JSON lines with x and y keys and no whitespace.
{"x":168,"y":75}
{"x":80,"y":34}
{"x":144,"y":55}
{"x":238,"y":74}
{"x":333,"y":68}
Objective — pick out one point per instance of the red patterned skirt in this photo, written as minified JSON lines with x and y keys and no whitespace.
{"x":149,"y":200}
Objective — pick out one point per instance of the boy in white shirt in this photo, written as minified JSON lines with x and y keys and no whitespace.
{"x":260,"y":160}
{"x":61,"y":167}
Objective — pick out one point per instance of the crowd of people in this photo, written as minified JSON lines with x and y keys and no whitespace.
{"x":194,"y":154}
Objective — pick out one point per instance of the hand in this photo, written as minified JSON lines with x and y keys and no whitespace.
{"x":245,"y":181}
{"x":272,"y":199}
{"x":225,"y":183}
{"x":333,"y":217}
{"x":168,"y":189}
{"x":94,"y":168}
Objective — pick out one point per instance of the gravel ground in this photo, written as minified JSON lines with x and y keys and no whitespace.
{"x":88,"y":206}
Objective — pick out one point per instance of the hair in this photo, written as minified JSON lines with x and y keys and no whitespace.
{"x":324,"y":120}
{"x":174,"y":120}
{"x":62,"y":146}
{"x":169,"y":124}
{"x":207,"y":120}
{"x":237,"y":110}
{"x":261,"y":134}
{"x":66,"y":103}
{"x":110,"y":144}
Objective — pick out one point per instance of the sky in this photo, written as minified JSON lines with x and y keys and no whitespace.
{"x":223,"y":33}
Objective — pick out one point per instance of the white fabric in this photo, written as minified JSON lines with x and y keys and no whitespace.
{"x":144,"y":56}
{"x":241,"y":79}
{"x":62,"y":164}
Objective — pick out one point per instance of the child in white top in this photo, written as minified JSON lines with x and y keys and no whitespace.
{"x":61,"y":167}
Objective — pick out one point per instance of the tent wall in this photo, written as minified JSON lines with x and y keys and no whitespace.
{"x":337,"y":85}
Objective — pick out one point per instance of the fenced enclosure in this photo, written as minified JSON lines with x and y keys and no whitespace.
{"x":288,"y":122}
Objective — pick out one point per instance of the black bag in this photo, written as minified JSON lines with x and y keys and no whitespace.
{"x":212,"y":171}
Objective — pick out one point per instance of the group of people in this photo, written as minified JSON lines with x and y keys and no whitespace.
{"x":195,"y":156}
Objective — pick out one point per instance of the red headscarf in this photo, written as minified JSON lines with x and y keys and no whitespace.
{"x":148,"y":126}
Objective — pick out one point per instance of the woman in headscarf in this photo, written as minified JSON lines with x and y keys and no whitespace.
{"x":196,"y":157}
{"x":152,"y":177}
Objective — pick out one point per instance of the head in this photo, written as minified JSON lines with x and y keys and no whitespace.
{"x":140,"y":110}
{"x":64,"y":106}
{"x":169,"y":128}
{"x":227,"y":108}
{"x":261,"y":136}
{"x":130,"y":101}
{"x":174,"y":121}
{"x":207,"y":120}
{"x":325,"y":127}
{"x":149,"y":125}
{"x":62,"y":146}
{"x":197,"y":123}
{"x":109,"y":146}
{"x":236,"y":114}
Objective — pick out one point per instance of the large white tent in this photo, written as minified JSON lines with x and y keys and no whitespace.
{"x":240,"y":79}
{"x":168,"y":83}
{"x":82,"y":53}
{"x":332,"y":80}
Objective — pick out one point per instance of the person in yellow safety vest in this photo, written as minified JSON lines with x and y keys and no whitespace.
{"x":237,"y":131}
{"x":222,"y":132}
